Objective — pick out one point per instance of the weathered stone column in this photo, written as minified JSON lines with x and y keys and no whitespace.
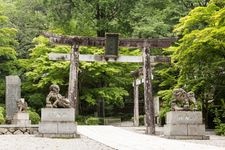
{"x":136,"y":103}
{"x":13,"y":93}
{"x":149,"y":104}
{"x":73,"y":78}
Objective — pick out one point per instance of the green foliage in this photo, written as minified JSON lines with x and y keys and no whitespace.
{"x":2,"y":114}
{"x":87,"y":120}
{"x":199,"y":53}
{"x":108,"y":82}
{"x":100,"y":16}
{"x":40,"y":70}
{"x":219,"y":118}
{"x":34,"y":117}
{"x":36,"y":100}
{"x":141,"y":120}
{"x":29,"y":18}
{"x":7,"y":51}
{"x":81,"y":120}
{"x":94,"y":121}
{"x":220,"y":129}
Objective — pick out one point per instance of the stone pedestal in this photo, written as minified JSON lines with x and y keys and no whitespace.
{"x":21,"y":119}
{"x":57,"y":122}
{"x":184,"y":125}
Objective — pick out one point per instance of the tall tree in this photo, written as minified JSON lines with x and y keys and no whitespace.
{"x":99,"y":16}
{"x":199,"y":54}
{"x":7,"y":52}
{"x":29,"y":18}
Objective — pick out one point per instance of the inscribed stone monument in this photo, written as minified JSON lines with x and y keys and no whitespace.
{"x":13,"y":93}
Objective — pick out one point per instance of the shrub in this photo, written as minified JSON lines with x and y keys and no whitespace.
{"x":34,"y":117}
{"x":141,"y":120}
{"x":36,"y":101}
{"x":81,"y":120}
{"x":2,"y":112}
{"x":220,"y":129}
{"x":220,"y":125}
{"x":94,"y":121}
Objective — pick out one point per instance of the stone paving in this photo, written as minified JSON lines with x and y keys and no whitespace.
{"x":122,"y":139}
{"x":215,"y":140}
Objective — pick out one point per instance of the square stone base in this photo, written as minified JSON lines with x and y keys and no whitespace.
{"x":184,"y":125}
{"x":58,"y":123}
{"x":57,"y":127}
{"x":21,"y":118}
{"x":184,"y":129}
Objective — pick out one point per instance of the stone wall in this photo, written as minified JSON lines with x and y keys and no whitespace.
{"x":12,"y":129}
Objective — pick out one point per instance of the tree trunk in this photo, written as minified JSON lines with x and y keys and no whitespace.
{"x":149,"y":106}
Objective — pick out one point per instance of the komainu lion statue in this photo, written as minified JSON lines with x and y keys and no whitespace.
{"x":183,"y":101}
{"x":56,"y":100}
{"x":21,"y":105}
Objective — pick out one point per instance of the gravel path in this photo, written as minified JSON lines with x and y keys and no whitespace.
{"x":30,"y":142}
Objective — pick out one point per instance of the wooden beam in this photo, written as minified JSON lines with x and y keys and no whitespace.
{"x":148,"y":97}
{"x":100,"y":41}
{"x":91,"y":58}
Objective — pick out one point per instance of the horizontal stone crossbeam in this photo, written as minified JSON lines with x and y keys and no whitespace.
{"x":91,"y":58}
{"x":100,"y":41}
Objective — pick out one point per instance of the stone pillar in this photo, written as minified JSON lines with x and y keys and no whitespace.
{"x":148,"y":97}
{"x":136,"y":103}
{"x":13,"y":93}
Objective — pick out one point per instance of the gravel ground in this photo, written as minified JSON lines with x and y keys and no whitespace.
{"x":30,"y":142}
{"x":214,"y":140}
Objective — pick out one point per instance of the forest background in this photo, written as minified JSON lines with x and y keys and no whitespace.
{"x":198,"y":57}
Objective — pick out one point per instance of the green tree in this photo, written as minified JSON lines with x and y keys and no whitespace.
{"x":110,"y":82}
{"x":29,"y":18}
{"x":199,"y":54}
{"x":7,"y":52}
{"x":92,"y":17}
